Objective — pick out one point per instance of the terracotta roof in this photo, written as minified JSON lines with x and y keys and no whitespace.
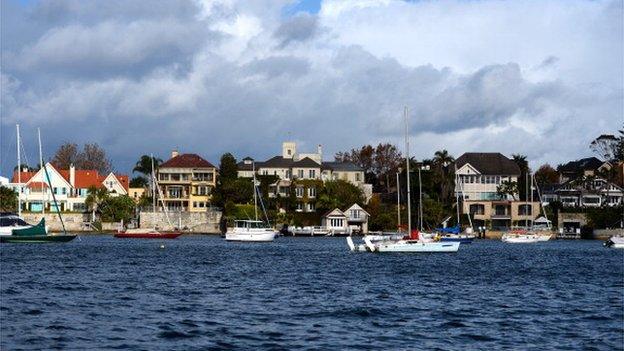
{"x":37,"y":185}
{"x":84,"y":178}
{"x":187,"y":161}
{"x":25,"y":176}
{"x":489,"y":163}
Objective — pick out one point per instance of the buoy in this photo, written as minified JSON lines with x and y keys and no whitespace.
{"x":162,"y":246}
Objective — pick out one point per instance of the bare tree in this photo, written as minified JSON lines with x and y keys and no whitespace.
{"x":605,"y":146}
{"x":66,"y":155}
{"x":94,"y":157}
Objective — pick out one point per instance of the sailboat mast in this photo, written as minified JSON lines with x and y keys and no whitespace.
{"x":41,"y":165}
{"x":420,"y":208}
{"x":407,"y":161}
{"x":531,"y":200}
{"x":153,"y":184}
{"x":19,"y":174}
{"x":457,"y":195}
{"x":253,"y":167}
{"x":398,"y":203}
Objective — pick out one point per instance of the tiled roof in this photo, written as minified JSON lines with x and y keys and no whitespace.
{"x":276,"y":162}
{"x":83,"y":178}
{"x":489,"y":163}
{"x":187,"y":161}
{"x":25,"y":176}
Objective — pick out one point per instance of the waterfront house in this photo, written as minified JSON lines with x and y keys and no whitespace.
{"x":301,"y":171}
{"x":585,"y":167}
{"x":357,"y":218}
{"x":585,"y":191}
{"x":186,"y":182}
{"x":136,"y":193}
{"x":70,"y":187}
{"x":335,"y":221}
{"x":479,"y":176}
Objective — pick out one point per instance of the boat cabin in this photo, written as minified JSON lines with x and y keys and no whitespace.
{"x":249,"y":224}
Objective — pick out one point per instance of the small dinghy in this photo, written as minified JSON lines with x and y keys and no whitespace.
{"x":616,"y":242}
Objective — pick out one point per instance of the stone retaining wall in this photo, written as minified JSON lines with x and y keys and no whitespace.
{"x":74,"y":222}
{"x":189,"y":222}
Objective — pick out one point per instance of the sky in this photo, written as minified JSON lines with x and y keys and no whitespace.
{"x":538,"y":78}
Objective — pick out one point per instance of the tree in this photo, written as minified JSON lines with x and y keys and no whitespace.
{"x":364,"y":158}
{"x":338,"y":194}
{"x":95,"y":198}
{"x":94,"y":157}
{"x":65,"y":156}
{"x":507,"y":188}
{"x":386,"y":160}
{"x":117,"y":208}
{"x":227,"y":167}
{"x":8,"y":199}
{"x":619,"y":151}
{"x":138,"y":182}
{"x":606,"y":147}
{"x":144,"y":165}
{"x":444,"y":180}
{"x":521,"y":161}
{"x":546,"y":175}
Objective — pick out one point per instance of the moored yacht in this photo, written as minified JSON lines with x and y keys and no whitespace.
{"x":250,"y":230}
{"x":11,"y":223}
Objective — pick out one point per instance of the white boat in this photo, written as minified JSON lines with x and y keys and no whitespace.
{"x":616,"y":242}
{"x":413,"y":246}
{"x":252,"y":230}
{"x":249,"y":230}
{"x":520,"y":238}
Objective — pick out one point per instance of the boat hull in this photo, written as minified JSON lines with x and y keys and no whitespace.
{"x":521,"y":239}
{"x":615,"y":242}
{"x":36,"y":239}
{"x":171,"y":235}
{"x":452,"y":239}
{"x":250,"y":237}
{"x":417,"y":247}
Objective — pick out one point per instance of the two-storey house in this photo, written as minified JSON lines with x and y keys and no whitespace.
{"x":479,"y":176}
{"x":186,"y":182}
{"x":70,"y":188}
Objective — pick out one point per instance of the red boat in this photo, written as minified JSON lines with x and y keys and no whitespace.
{"x":146,"y":234}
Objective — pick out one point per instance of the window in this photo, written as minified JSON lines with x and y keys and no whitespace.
{"x":336,"y":222}
{"x":312,"y":173}
{"x":300,"y":173}
{"x":194,"y":203}
{"x":299,"y":206}
{"x":524,"y":210}
{"x":312,"y":192}
{"x":175,"y":177}
{"x":477,"y":209}
{"x":63,"y":191}
{"x":265,"y":172}
{"x":287,"y":176}
{"x":358,"y":177}
{"x":311,"y":207}
{"x":299,"y":191}
{"x":55,"y":189}
{"x":355,"y":214}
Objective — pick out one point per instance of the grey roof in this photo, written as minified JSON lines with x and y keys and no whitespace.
{"x":277,"y":162}
{"x":489,"y":163}
{"x":584,"y":164}
{"x":342,"y":166}
{"x":306,"y":163}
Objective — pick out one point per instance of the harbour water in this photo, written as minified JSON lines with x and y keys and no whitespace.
{"x":201,"y":293}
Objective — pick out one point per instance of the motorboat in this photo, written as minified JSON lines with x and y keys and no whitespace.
{"x":250,"y":230}
{"x":520,"y":237}
{"x":616,"y":242}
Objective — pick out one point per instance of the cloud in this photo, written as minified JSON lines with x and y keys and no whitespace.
{"x":210,"y":77}
{"x":297,"y":29}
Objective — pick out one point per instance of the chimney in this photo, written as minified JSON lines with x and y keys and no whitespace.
{"x":319,"y":150}
{"x":72,"y":175}
{"x":174,"y":153}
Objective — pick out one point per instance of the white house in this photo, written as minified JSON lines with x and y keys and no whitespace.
{"x":335,"y":221}
{"x":69,"y":187}
{"x":357,"y":219}
{"x":480,"y":174}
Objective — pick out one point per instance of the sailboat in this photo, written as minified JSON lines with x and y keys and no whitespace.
{"x":150,"y":233}
{"x":454,"y":233}
{"x":525,"y":236}
{"x":13,"y":228}
{"x":252,"y":230}
{"x":415,"y":241}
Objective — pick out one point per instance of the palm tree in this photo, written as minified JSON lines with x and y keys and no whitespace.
{"x":144,"y":165}
{"x":445,"y":177}
{"x":95,"y":198}
{"x":521,"y":161}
